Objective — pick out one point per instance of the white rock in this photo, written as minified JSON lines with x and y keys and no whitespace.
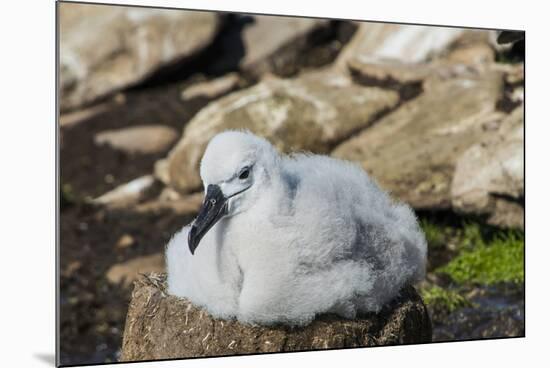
{"x":126,"y":194}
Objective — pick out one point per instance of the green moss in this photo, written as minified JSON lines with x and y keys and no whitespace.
{"x":487,"y":260}
{"x":443,"y":299}
{"x":471,"y":236}
{"x":435,"y":234}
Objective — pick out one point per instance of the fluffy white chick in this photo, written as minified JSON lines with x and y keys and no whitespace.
{"x":284,"y":238}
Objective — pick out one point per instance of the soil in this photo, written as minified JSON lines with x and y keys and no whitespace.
{"x":92,"y":310}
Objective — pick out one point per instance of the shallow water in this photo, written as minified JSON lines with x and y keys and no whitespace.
{"x":496,"y":312}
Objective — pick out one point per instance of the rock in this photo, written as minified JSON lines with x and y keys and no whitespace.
{"x":71,"y":269}
{"x":76,"y":117}
{"x":161,"y":171}
{"x":127,"y":272}
{"x":389,"y":73}
{"x":392,"y":55}
{"x":270,"y":40}
{"x":464,"y":50}
{"x":142,"y":139}
{"x":382,"y":42}
{"x":488,"y":178}
{"x":212,"y":88}
{"x":169,"y":194}
{"x":126,"y":194}
{"x":125,"y":241}
{"x":160,"y":326}
{"x":413,"y":151}
{"x":106,"y":48}
{"x":312,"y":112}
{"x":476,"y":53}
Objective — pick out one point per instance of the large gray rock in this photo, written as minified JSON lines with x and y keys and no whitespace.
{"x":390,"y":53}
{"x":488,"y":178}
{"x":106,"y":48}
{"x":312,"y":112}
{"x":413,"y":151}
{"x":159,"y":326}
{"x":269,"y":41}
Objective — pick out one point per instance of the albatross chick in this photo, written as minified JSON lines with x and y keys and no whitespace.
{"x":280,"y":239}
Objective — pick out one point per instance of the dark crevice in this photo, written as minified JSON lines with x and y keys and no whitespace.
{"x":227,"y":46}
{"x":452,"y":219}
{"x":227,"y":50}
{"x":406,"y":90}
{"x":319,"y":48}
{"x":517,"y":200}
{"x":506,"y":104}
{"x":513,"y":54}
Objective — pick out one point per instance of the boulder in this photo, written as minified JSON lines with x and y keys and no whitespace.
{"x":142,"y":139}
{"x":475,"y":53}
{"x":443,"y":54}
{"x":270,"y":41}
{"x":387,"y":54}
{"x":382,"y":42}
{"x":488,"y":178}
{"x":103,"y":49}
{"x":312,"y":112}
{"x":413,"y":151}
{"x":160,"y":326}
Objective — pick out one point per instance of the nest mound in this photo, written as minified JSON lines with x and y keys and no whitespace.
{"x":161,"y":326}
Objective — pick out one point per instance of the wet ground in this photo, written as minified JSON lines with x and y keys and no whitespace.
{"x":495,"y":312}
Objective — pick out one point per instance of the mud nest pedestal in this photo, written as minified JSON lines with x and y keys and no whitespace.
{"x":161,"y":326}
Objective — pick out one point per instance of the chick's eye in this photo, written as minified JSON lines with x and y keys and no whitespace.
{"x":244,"y":174}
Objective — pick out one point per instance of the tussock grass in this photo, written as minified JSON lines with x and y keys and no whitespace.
{"x":496,"y":259}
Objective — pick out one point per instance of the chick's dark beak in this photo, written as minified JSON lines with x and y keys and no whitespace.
{"x":213,"y":209}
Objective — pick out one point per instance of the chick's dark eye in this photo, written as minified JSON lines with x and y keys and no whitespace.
{"x":244,"y":174}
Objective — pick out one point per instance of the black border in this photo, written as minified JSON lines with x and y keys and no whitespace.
{"x":57,"y":183}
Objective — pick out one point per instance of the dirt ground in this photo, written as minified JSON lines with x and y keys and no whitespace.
{"x":92,"y":310}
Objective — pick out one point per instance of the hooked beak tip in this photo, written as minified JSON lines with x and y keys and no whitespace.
{"x":191,"y":240}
